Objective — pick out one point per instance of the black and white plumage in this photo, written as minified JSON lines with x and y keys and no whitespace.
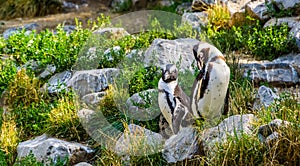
{"x":210,"y":93}
{"x":173,"y":102}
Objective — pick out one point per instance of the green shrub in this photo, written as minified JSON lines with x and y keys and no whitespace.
{"x":8,"y":70}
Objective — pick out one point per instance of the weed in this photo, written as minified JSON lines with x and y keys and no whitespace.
{"x":218,"y":16}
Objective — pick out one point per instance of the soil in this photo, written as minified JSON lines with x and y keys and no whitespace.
{"x":83,"y":14}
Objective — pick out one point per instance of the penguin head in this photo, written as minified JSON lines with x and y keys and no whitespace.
{"x":169,"y":73}
{"x":203,"y":52}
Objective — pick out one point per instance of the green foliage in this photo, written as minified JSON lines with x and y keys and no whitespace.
{"x":143,"y":79}
{"x":28,"y":8}
{"x":8,"y":70}
{"x":263,"y":43}
{"x":60,"y":49}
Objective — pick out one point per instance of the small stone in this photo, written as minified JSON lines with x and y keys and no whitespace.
{"x":265,"y":97}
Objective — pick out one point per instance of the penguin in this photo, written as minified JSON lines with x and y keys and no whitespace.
{"x":173,"y":102}
{"x":210,"y":93}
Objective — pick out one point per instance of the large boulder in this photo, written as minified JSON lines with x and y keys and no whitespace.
{"x":138,"y":141}
{"x":276,"y":73}
{"x":230,"y":127}
{"x":83,"y":82}
{"x":182,"y":146}
{"x":162,"y":52}
{"x":258,"y":9}
{"x":46,"y":149}
{"x":284,"y":5}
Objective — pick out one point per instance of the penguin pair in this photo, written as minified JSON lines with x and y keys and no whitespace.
{"x":209,"y":98}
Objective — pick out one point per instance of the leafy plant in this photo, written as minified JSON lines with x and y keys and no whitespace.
{"x":8,"y":70}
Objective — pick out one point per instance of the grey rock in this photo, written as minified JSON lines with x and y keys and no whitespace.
{"x":182,"y":146}
{"x":285,"y":4}
{"x":196,"y":19}
{"x":292,"y":59}
{"x":162,"y":52}
{"x":70,"y":5}
{"x":265,"y":97}
{"x":258,"y":9}
{"x":269,"y":132}
{"x":69,"y":28}
{"x":83,"y":82}
{"x":143,"y":106}
{"x":230,"y":127}
{"x":274,"y":73}
{"x":290,"y":21}
{"x":138,"y":141}
{"x":114,"y":33}
{"x":184,"y":8}
{"x":49,"y":70}
{"x":91,"y":81}
{"x":93,"y":98}
{"x":45,"y":148}
{"x":295,"y":32}
{"x":58,"y":82}
{"x":28,"y":28}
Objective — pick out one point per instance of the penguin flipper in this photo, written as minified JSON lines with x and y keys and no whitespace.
{"x":177,"y":118}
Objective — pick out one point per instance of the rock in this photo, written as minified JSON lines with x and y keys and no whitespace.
{"x":230,"y":127}
{"x":276,"y":74}
{"x":49,"y":70}
{"x":292,"y":59}
{"x":45,"y":148}
{"x":258,"y":9}
{"x":269,"y":132}
{"x":295,"y":32}
{"x":138,"y":141}
{"x":83,"y":164}
{"x":28,"y":28}
{"x":196,"y":19}
{"x":93,"y":98}
{"x":143,"y":106}
{"x":285,"y":4}
{"x":162,"y":52}
{"x":112,"y":33}
{"x":83,"y":82}
{"x":58,"y":82}
{"x":91,"y":81}
{"x":69,"y":28}
{"x":182,"y":146}
{"x":70,"y":5}
{"x":265,"y":97}
{"x":290,"y":21}
{"x":184,"y":8}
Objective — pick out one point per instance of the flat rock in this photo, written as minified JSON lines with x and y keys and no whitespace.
{"x":276,"y":74}
{"x":182,"y":146}
{"x":290,"y":21}
{"x":138,"y":141}
{"x":83,"y":82}
{"x":45,"y":148}
{"x":28,"y":28}
{"x":162,"y":52}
